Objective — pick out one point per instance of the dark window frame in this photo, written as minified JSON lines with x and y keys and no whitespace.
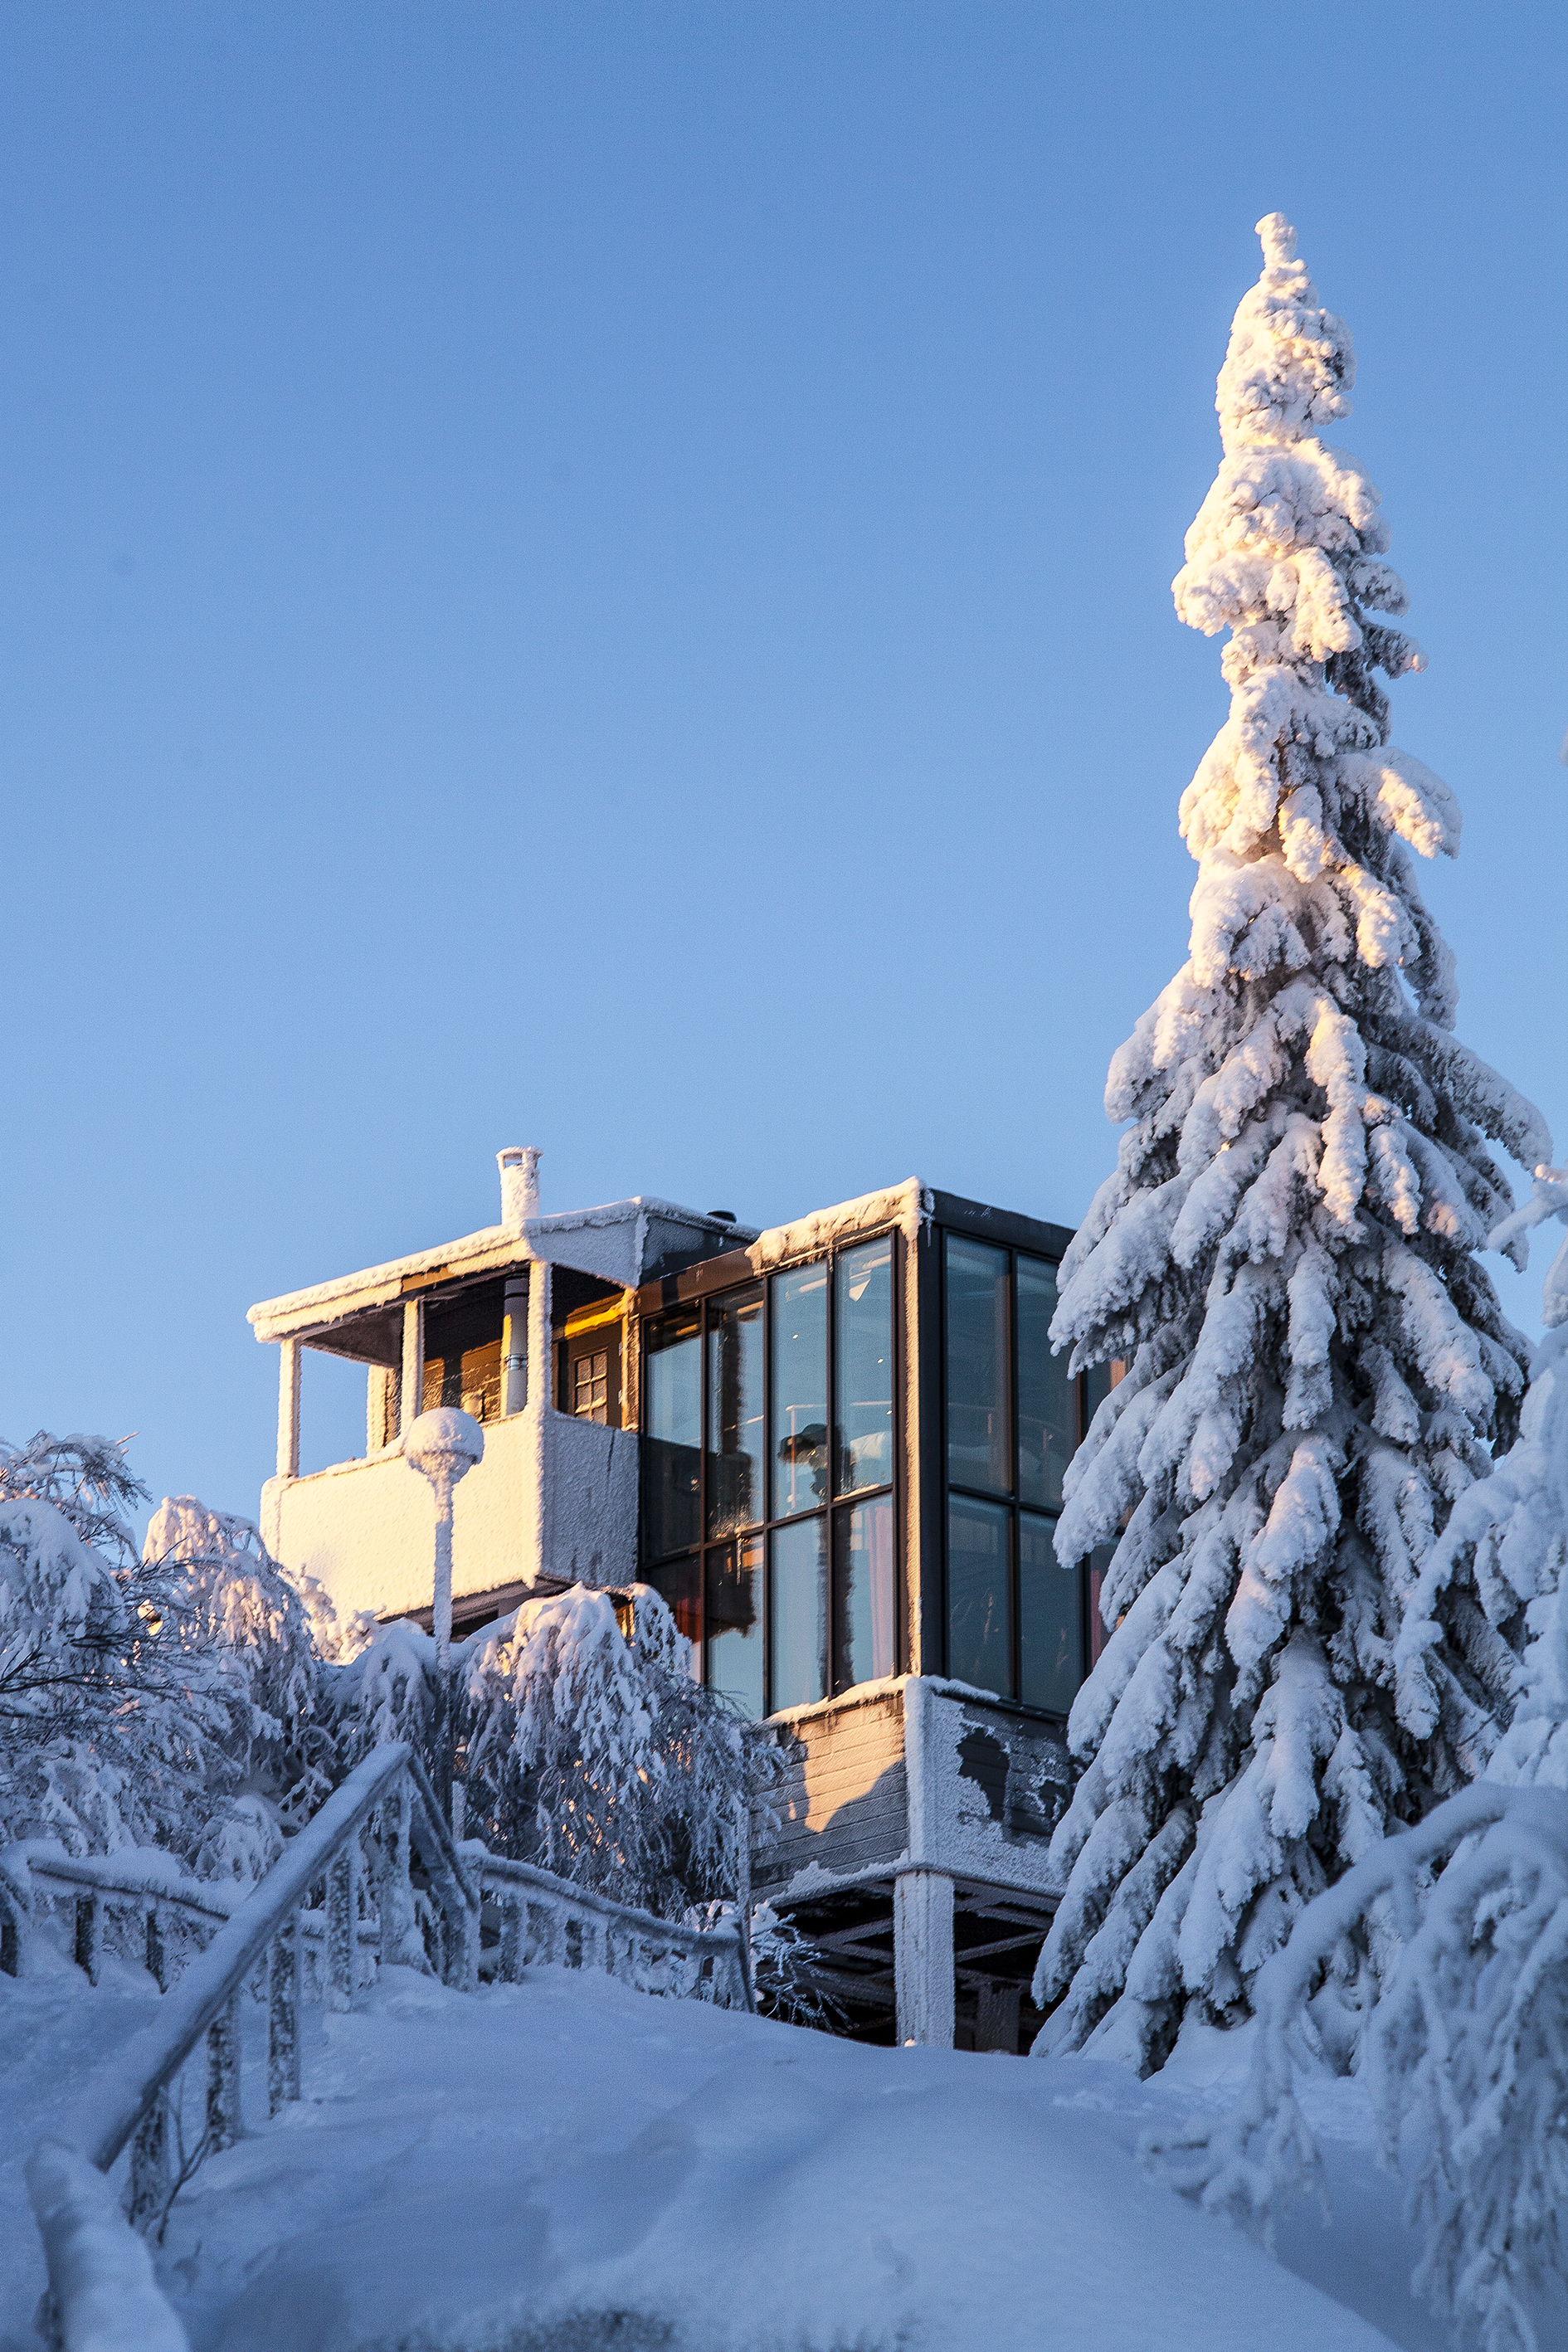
{"x":834,"y":1505}
{"x":1012,"y":1502}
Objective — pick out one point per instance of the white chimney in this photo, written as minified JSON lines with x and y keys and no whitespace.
{"x":519,"y":1165}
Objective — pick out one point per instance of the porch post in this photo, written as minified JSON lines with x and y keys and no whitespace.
{"x":288,"y":1409}
{"x":540,"y":1384}
{"x":922,"y":1958}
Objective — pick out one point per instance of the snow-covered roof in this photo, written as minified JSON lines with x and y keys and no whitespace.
{"x":610,"y":1241}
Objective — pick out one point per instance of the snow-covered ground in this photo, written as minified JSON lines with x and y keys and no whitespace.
{"x":499,"y":2171}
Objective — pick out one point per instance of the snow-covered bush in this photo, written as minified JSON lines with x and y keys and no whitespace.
{"x":168,"y":1698}
{"x":113,"y":1726}
{"x":600,"y":1757}
{"x":1466,"y":2051}
{"x":1317,"y":1365}
{"x":237,"y":1605}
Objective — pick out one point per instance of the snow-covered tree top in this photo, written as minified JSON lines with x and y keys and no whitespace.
{"x":1289,"y":364}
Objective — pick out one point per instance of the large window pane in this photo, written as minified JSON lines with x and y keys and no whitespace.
{"x":672,"y":1441}
{"x":1047,"y":1404}
{"x":734,"y":1623}
{"x":1050,"y":1621}
{"x":800,"y":1388}
{"x":735,"y":1464}
{"x":979,"y":1414}
{"x":797,"y":1601}
{"x":979,"y":1594}
{"x":865,"y":1630}
{"x":863,"y":1346}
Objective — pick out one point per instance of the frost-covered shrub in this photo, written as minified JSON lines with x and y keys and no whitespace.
{"x":601,"y":1758}
{"x":1317,"y":1365}
{"x":237,"y":1605}
{"x":1465,"y":2053}
{"x":112,"y":1724}
{"x":170,"y":1699}
{"x":595,"y":1756}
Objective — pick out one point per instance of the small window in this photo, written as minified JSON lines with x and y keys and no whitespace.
{"x":591,"y":1386}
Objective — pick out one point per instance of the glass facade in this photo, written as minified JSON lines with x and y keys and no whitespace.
{"x":771,"y":1516}
{"x":1016,"y":1622}
{"x":768,"y":1514}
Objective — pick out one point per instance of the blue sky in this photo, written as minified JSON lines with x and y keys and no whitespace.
{"x":599,"y":576}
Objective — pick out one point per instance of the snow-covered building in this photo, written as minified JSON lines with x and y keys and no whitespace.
{"x":836,"y":1449}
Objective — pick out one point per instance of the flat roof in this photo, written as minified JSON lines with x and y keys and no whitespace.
{"x":592,"y":1241}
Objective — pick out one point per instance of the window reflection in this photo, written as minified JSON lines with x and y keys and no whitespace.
{"x":1050,"y":1626}
{"x":672,"y":1441}
{"x":798,"y":1613}
{"x":679,"y":1586}
{"x":863,"y":1348}
{"x":1047,"y":1403}
{"x":979,"y":1344}
{"x":734,"y":1623}
{"x":865,"y":1633}
{"x":979,"y":1594}
{"x":735,"y":1464}
{"x":799,"y":1388}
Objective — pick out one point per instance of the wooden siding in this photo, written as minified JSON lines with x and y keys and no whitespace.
{"x":844,"y":1805}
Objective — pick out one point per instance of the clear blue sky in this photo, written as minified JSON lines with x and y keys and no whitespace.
{"x":599,"y":576}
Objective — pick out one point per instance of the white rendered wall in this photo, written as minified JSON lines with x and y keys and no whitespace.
{"x":367,"y":1530}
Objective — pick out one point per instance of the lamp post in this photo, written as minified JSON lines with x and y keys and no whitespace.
{"x":443,"y":1446}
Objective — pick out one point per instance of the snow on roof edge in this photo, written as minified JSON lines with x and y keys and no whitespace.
{"x":342,"y":1287}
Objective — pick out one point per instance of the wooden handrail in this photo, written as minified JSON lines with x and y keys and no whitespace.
{"x":104,"y":2122}
{"x":498,"y":1873}
{"x":89,"y":2264}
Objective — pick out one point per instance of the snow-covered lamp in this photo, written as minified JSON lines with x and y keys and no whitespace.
{"x":443,"y":1446}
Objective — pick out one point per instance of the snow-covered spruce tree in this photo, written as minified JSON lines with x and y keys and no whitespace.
{"x":1465,"y":2054}
{"x":1316,"y":1366}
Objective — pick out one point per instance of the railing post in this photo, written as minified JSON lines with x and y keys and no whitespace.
{"x":343,"y":1923}
{"x":223,"y":2122}
{"x":284,"y":1991}
{"x":149,"y":2188}
{"x":512,"y":1918}
{"x":401,"y":1946}
{"x":89,"y":1953}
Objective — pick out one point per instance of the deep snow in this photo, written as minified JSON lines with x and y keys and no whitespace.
{"x":485,"y":2171}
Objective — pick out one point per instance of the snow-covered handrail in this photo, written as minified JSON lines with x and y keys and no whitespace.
{"x":657,"y":1955}
{"x":148,"y":1882}
{"x":131,"y":2098}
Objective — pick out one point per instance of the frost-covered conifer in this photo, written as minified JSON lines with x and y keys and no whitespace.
{"x":1316,"y":1366}
{"x":1465,"y":2053}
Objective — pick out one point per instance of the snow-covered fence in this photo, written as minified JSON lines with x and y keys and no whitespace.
{"x":130,"y":2101}
{"x":384,"y":1812}
{"x":147,"y":1885}
{"x":545,"y":1919}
